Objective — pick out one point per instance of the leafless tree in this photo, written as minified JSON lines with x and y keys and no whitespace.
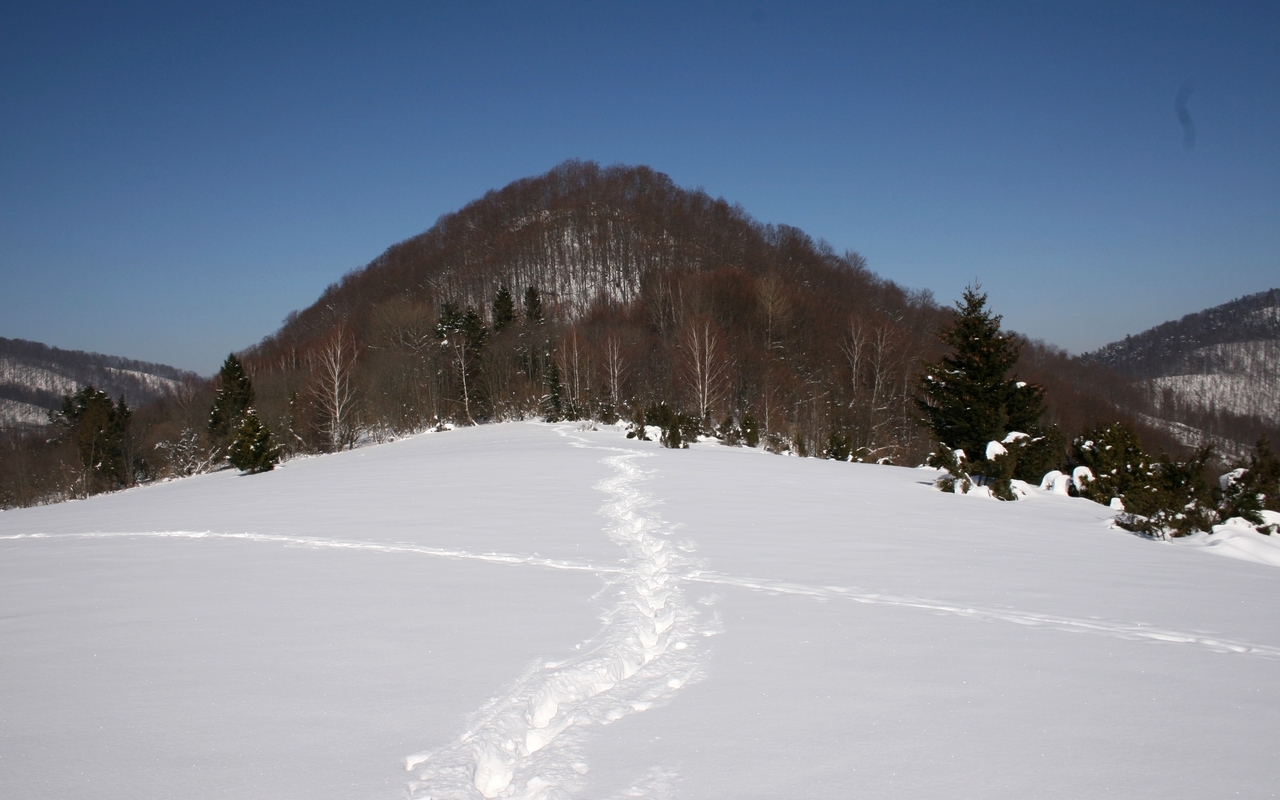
{"x":854,"y":348}
{"x":335,"y":391}
{"x":706,"y":366}
{"x":615,"y":369}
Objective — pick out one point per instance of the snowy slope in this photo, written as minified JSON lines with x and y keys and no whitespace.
{"x":1247,"y":382}
{"x":533,"y":610}
{"x":34,"y":378}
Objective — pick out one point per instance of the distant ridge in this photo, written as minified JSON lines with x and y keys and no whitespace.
{"x":1185,"y":345}
{"x":34,"y":377}
{"x":1216,"y":371}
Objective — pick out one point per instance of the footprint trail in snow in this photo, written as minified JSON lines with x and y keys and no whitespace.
{"x":528,"y":743}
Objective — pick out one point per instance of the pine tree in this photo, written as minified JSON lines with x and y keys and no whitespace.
{"x":235,"y":396}
{"x":968,"y":400}
{"x":504,"y":309}
{"x":532,"y":306}
{"x":252,"y":450}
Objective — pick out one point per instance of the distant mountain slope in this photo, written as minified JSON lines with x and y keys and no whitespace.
{"x":1217,"y":370}
{"x":34,"y":377}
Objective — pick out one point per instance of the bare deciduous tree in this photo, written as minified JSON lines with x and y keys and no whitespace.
{"x":335,"y":392}
{"x":706,"y":366}
{"x":615,"y":369}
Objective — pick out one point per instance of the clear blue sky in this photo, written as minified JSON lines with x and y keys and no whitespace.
{"x":175,"y":178}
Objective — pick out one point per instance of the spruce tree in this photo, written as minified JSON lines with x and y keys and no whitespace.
{"x":750,"y":431}
{"x":532,"y":306}
{"x":968,"y":398}
{"x":553,"y":401}
{"x":252,"y":450}
{"x":504,"y":309}
{"x":99,"y":429}
{"x":235,"y":396}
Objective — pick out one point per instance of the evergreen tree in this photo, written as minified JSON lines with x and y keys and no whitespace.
{"x":750,"y":431}
{"x":838,"y":447}
{"x":967,"y":398}
{"x":553,"y":401}
{"x":235,"y":396}
{"x":252,"y":450}
{"x":504,"y":309}
{"x":1040,"y":453}
{"x":532,"y":306}
{"x":99,"y":429}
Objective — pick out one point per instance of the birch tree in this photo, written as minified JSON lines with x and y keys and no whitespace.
{"x":334,"y":389}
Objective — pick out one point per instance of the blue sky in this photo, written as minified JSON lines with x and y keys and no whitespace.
{"x":176,"y":178}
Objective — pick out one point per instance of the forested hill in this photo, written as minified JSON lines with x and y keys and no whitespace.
{"x":647,"y":294}
{"x":1213,"y":376}
{"x":1187,"y":346}
{"x":34,"y":378}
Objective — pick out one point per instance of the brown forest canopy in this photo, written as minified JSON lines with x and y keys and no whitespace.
{"x":689,"y":300}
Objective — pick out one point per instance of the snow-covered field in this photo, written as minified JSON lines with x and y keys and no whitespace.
{"x":539,"y":611}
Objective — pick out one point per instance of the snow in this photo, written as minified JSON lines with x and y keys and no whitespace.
{"x":529,"y":610}
{"x":1238,"y":538}
{"x":1240,"y":377}
{"x":15,"y":412}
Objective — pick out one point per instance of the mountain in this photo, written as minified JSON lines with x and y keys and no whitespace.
{"x":541,"y":611}
{"x":1212,"y":376}
{"x":35,"y":377}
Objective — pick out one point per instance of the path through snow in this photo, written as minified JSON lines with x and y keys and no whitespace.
{"x":528,"y":742}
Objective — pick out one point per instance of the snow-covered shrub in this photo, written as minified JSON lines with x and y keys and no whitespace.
{"x":1175,"y":499}
{"x":838,"y":447}
{"x":1116,"y":462}
{"x":1251,"y":488}
{"x":956,"y":478}
{"x":729,"y":432}
{"x":186,"y":455}
{"x":678,"y":430}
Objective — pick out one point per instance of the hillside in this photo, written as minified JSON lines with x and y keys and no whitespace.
{"x":650,"y":294}
{"x":541,"y":611}
{"x":1216,"y":371}
{"x":35,"y":377}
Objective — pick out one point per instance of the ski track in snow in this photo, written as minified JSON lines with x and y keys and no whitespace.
{"x":1132,"y":631}
{"x":337,"y":544}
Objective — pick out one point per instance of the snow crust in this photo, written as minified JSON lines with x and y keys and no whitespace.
{"x":537,"y":611}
